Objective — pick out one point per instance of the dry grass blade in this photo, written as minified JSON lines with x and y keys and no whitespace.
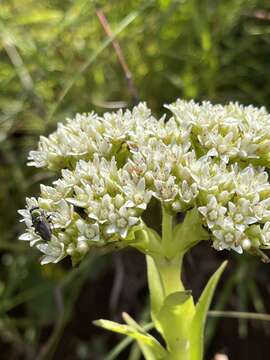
{"x":239,"y":315}
{"x":122,"y":26}
{"x":117,"y":48}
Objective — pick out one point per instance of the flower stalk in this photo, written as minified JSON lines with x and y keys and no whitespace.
{"x":170,"y":273}
{"x":167,"y":231}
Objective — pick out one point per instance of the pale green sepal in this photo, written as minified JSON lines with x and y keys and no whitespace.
{"x":154,"y":240}
{"x":146,"y":240}
{"x":151,"y":348}
{"x":188,"y":233}
{"x":175,"y":318}
{"x":202,"y":307}
{"x":136,"y":235}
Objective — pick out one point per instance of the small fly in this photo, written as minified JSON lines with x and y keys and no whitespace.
{"x":41,"y":223}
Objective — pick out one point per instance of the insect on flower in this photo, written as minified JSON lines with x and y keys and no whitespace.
{"x":41,"y":223}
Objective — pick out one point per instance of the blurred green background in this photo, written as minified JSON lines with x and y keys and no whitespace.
{"x":56,"y":60}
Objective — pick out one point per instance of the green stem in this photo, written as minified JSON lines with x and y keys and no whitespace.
{"x":167,"y":232}
{"x":170,"y":273}
{"x":168,"y":264}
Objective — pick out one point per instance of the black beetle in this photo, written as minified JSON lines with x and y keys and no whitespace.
{"x":40,"y":223}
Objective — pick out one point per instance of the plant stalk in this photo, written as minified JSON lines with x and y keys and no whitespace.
{"x":170,"y":273}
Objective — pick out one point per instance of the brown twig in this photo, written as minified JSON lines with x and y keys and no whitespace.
{"x":119,"y":53}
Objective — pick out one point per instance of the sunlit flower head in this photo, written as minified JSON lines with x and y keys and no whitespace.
{"x":210,"y":157}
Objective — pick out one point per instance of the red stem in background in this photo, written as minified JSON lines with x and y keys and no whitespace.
{"x":119,"y":54}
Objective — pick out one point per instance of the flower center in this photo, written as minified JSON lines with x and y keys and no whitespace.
{"x":213,"y":215}
{"x":229,"y":238}
{"x":90,"y":233}
{"x":121,"y":223}
{"x":138,"y":198}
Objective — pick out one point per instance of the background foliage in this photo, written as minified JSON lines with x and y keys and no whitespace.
{"x":55,"y":60}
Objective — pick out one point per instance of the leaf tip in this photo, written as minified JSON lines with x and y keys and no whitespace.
{"x":97,"y":322}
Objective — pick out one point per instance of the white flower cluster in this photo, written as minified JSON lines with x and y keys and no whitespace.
{"x":206,"y":156}
{"x":167,"y":170}
{"x":234,"y":202}
{"x":231,"y":133}
{"x":91,"y":206}
{"x":87,"y":134}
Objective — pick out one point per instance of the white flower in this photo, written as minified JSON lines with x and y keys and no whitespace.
{"x":62,"y":215}
{"x":120,"y":222}
{"x":187,"y":192}
{"x":213,"y":212}
{"x":30,"y":236}
{"x":82,"y":196}
{"x":87,"y":232}
{"x":265,"y":234}
{"x":53,"y":194}
{"x":228,"y":237}
{"x":165,"y":190}
{"x":251,"y":182}
{"x":26,"y":214}
{"x":241,"y":214}
{"x":69,"y":178}
{"x":53,"y":250}
{"x":261,"y":210}
{"x":100,"y":210}
{"x":37,"y":158}
{"x":137,"y":194}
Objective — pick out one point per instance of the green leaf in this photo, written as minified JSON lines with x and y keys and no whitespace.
{"x":189,"y":232}
{"x":175,"y":319}
{"x":202,"y":307}
{"x":122,"y":345}
{"x":131,"y":322}
{"x":150,"y":347}
{"x":156,"y":289}
{"x":39,"y":15}
{"x":147,"y":352}
{"x":122,"y":329}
